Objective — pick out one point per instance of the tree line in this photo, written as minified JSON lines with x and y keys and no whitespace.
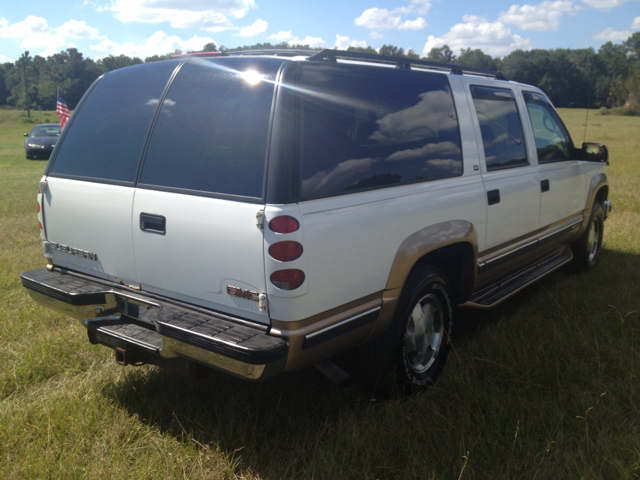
{"x":574,"y":78}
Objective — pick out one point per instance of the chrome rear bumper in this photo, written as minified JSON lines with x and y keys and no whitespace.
{"x":121,"y":316}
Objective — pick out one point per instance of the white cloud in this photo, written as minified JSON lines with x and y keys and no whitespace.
{"x":418,"y":7}
{"x":36,"y":33}
{"x":281,"y":36}
{"x":378,"y":19}
{"x":157,"y":44}
{"x":211,"y":15}
{"x":29,"y":26}
{"x":417,"y":24}
{"x":342,"y":43}
{"x":541,"y":17}
{"x":78,"y":29}
{"x":611,"y":35}
{"x":255,"y":28}
{"x":5,"y":59}
{"x":605,"y":4}
{"x":313,"y":42}
{"x":476,"y":32}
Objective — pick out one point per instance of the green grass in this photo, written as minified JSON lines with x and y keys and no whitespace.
{"x":545,"y":386}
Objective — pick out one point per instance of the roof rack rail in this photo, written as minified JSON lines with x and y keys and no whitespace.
{"x":280,"y":52}
{"x":404,"y":62}
{"x":197,"y":54}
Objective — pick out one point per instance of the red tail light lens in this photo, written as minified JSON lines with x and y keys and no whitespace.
{"x":287,"y":279}
{"x":38,"y":208}
{"x":285,"y":251}
{"x":284,"y":224}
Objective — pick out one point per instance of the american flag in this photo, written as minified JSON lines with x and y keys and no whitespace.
{"x":62,"y":110}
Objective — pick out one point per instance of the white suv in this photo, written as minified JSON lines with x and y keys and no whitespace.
{"x":260,"y":212}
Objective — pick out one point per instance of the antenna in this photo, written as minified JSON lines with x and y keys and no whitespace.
{"x":586,"y":122}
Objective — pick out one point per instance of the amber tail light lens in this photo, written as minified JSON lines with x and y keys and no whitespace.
{"x":287,"y":279}
{"x":285,"y":251}
{"x":284,"y":224}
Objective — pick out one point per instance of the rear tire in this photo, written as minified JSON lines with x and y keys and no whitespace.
{"x":586,"y":250}
{"x":413,"y":350}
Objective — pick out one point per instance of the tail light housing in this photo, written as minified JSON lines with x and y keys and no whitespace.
{"x":285,"y":251}
{"x":284,"y":224}
{"x":289,"y":279}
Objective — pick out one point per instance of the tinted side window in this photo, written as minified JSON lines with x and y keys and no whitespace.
{"x":552,"y":139}
{"x":211,"y":134}
{"x":367,"y":127}
{"x":108,"y":133}
{"x":500,"y":127}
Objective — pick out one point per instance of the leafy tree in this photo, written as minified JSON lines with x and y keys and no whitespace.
{"x":362,"y":50}
{"x":109,"y":63}
{"x":210,"y":47}
{"x":158,"y":58}
{"x":632,"y":45}
{"x":476,"y":59}
{"x":391,"y":50}
{"x":411,"y":53}
{"x":441,"y":54}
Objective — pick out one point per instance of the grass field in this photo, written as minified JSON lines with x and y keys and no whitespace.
{"x":546,"y":386}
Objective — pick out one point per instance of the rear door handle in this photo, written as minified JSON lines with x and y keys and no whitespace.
{"x":544,"y":185}
{"x":153,"y":223}
{"x":493,"y":197}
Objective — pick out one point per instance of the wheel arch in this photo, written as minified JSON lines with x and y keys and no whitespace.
{"x":450,"y":246}
{"x":598,"y":190}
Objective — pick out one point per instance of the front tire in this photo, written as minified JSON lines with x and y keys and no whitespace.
{"x":586,"y":250}
{"x":413,"y":350}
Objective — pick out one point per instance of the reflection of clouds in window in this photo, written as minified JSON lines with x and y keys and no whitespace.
{"x":155,"y":101}
{"x":448,"y":165}
{"x":433,"y":113}
{"x":341,"y":173}
{"x":500,"y":140}
{"x":438,"y":150}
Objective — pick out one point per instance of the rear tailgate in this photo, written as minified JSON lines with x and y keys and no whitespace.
{"x":202,"y":184}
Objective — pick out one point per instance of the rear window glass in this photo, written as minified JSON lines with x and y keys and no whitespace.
{"x":500,"y":127}
{"x":367,"y":128}
{"x":108,"y":133}
{"x":211,"y":133}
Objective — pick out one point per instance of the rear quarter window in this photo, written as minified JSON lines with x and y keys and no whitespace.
{"x":367,"y":128}
{"x":107,"y":137}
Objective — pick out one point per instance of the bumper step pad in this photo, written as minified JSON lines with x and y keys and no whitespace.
{"x":238,"y":342}
{"x":130,"y":333}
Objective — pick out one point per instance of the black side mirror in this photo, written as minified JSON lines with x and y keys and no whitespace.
{"x":595,"y":152}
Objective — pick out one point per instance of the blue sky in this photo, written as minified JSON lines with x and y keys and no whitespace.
{"x":147,"y":27}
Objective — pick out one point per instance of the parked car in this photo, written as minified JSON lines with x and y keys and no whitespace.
{"x":41,"y":140}
{"x":259,"y":212}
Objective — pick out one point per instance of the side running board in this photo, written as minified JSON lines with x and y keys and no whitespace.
{"x":498,"y":292}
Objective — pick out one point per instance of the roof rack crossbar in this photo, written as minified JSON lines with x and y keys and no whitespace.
{"x":404,"y":62}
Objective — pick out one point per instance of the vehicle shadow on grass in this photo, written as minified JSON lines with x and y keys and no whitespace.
{"x":299,"y":416}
